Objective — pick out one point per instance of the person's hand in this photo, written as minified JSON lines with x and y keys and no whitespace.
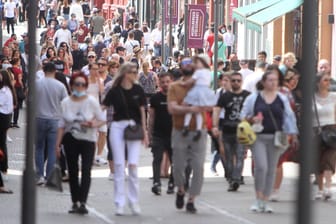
{"x":87,"y":124}
{"x":215,"y":132}
{"x":256,"y":119}
{"x":197,"y":109}
{"x":58,"y":151}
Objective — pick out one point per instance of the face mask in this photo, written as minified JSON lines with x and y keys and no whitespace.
{"x":6,"y":66}
{"x":78,"y":94}
{"x":52,"y":26}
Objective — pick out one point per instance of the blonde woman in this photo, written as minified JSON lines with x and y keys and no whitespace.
{"x":288,"y":61}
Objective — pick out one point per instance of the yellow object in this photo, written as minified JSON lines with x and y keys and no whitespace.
{"x":245,"y":134}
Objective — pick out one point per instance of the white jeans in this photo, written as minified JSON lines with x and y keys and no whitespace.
{"x":118,"y":144}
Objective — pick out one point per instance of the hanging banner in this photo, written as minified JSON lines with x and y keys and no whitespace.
{"x":175,"y":10}
{"x":196,"y":25}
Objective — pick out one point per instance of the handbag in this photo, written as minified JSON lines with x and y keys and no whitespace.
{"x":327,"y":133}
{"x":280,"y":137}
{"x":54,"y":181}
{"x":132,"y":132}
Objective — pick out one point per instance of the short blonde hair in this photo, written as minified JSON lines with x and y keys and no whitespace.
{"x":289,"y":56}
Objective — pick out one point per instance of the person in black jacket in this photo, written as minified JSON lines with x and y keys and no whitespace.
{"x":78,"y":56}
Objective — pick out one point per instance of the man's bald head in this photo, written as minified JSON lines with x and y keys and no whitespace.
{"x":323,"y":66}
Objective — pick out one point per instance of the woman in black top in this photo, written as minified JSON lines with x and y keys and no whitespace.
{"x":128,"y":102}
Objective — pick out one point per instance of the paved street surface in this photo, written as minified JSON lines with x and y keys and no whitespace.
{"x":215,"y":205}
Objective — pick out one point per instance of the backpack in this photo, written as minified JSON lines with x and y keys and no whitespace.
{"x":86,"y":9}
{"x":117,"y":29}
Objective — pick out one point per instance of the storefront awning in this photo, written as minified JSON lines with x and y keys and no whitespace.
{"x":258,"y":20}
{"x":243,"y":12}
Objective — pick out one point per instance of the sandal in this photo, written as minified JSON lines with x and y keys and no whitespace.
{"x":6,"y":191}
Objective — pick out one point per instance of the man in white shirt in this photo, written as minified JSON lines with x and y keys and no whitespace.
{"x":229,"y":39}
{"x":63,"y":35}
{"x":251,"y":81}
{"x":157,"y":39}
{"x":131,"y":43}
{"x":244,"y":70}
{"x":10,"y":14}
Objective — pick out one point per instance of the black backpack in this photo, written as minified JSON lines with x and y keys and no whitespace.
{"x":117,"y":29}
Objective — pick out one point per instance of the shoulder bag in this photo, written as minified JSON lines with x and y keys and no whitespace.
{"x":131,"y":132}
{"x":280,"y":137}
{"x":327,"y":133}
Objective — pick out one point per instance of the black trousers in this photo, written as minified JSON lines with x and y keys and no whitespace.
{"x":42,"y":17}
{"x":17,"y":111}
{"x":4,"y":125}
{"x":159,"y":146}
{"x":73,"y":149}
{"x":10,"y":22}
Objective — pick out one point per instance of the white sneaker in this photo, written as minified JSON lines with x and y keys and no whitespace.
{"x":257,"y":206}
{"x":111,"y":177}
{"x":136,"y":210}
{"x":101,"y":161}
{"x":119,"y":210}
{"x":319,"y":195}
{"x":327,"y":194}
{"x":274,"y":196}
{"x":40,"y":181}
{"x":268,"y":209}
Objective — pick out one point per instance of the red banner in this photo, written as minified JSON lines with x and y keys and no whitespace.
{"x":175,"y":10}
{"x":196,"y":25}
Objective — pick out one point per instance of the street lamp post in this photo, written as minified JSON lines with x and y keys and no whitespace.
{"x":216,"y":7}
{"x":28,"y":212}
{"x":186,"y":27}
{"x":309,"y":58}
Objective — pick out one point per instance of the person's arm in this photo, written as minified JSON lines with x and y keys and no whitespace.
{"x":188,"y":83}
{"x":151,"y":123}
{"x":215,"y":120}
{"x":60,"y":133}
{"x":144,"y":126}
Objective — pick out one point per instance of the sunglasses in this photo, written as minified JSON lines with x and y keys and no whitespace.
{"x":101,"y":64}
{"x":236,"y":80}
{"x":91,"y":56}
{"x":80,"y":84}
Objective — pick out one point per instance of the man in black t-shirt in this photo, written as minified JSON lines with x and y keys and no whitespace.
{"x":232,"y":102}
{"x":138,"y":34}
{"x":160,"y":128}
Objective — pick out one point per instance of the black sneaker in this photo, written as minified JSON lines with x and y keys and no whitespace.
{"x":74,"y":209}
{"x":190,"y":207}
{"x":185,"y":131}
{"x":82,"y":209}
{"x":233,"y":186}
{"x":156,"y":189}
{"x":197,"y":135}
{"x":179,"y":200}
{"x":170,"y":189}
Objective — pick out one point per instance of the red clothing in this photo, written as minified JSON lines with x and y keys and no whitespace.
{"x":17,"y":76}
{"x":10,"y":40}
{"x":82,"y":32}
{"x":210,"y":40}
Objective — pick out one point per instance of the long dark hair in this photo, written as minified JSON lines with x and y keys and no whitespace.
{"x":6,"y":81}
{"x":318,"y":79}
{"x":123,"y":70}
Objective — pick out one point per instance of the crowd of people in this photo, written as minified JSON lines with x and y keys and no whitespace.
{"x":102,"y":85}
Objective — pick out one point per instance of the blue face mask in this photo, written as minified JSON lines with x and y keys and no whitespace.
{"x":78,"y":94}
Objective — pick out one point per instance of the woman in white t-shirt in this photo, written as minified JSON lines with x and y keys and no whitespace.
{"x":81,"y":116}
{"x":325,"y":108}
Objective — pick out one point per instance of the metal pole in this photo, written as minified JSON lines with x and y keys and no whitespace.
{"x":307,"y":155}
{"x":163,"y":17}
{"x":216,"y":7}
{"x":1,"y":37}
{"x":170,"y":28}
{"x":186,"y":28}
{"x":28,"y":212}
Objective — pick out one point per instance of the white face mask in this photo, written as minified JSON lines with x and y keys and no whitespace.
{"x":6,"y":66}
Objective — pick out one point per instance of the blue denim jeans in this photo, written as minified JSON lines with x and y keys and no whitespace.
{"x":46,"y":134}
{"x":234,"y":157}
